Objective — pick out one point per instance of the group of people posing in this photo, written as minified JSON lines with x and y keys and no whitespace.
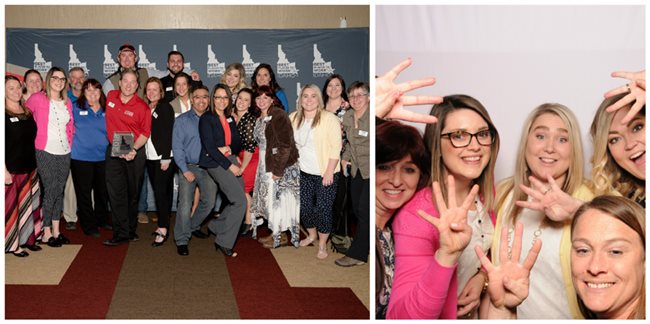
{"x":544,"y":243}
{"x":235,"y":140}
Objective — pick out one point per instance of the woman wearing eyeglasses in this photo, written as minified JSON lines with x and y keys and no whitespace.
{"x":549,"y":166}
{"x":52,"y":111}
{"x":220,"y":144}
{"x":436,"y":270}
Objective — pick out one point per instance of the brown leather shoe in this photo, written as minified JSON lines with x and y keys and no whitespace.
{"x":284,"y":241}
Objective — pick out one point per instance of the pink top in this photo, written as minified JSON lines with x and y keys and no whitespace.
{"x":39,"y":104}
{"x":422,"y":288}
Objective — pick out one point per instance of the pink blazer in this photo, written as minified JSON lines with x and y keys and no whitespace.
{"x":39,"y":104}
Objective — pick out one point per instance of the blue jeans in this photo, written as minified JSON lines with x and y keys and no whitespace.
{"x":144,"y":194}
{"x":185,"y":224}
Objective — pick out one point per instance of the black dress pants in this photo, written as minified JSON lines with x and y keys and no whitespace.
{"x":123,"y":181}
{"x":360,"y":195}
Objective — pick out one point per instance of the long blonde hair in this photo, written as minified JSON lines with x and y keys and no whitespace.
{"x":574,"y":177}
{"x":607,"y":176}
{"x":433,"y":142}
{"x":299,"y":117}
{"x":242,"y":76}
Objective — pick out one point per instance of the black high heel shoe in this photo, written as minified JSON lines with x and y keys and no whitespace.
{"x":228,"y":252}
{"x":62,"y":239}
{"x":32,"y":248}
{"x":21,"y":254}
{"x":245,"y":229}
{"x":157,"y":244}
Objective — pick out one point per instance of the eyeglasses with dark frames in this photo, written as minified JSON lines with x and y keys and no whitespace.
{"x":460,"y":139}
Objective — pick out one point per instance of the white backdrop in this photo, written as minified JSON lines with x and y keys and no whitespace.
{"x":514,"y":58}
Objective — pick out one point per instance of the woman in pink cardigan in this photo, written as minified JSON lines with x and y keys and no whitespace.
{"x":431,"y":234}
{"x":52,"y":112}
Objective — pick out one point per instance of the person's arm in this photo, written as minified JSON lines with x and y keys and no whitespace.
{"x":283,"y":99}
{"x":390,"y":99}
{"x":421,"y":285}
{"x":212,"y":138}
{"x":8,"y":177}
{"x":328,"y":177}
{"x":178,"y":146}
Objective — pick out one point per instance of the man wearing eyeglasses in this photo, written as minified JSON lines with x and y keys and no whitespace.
{"x":186,"y":145}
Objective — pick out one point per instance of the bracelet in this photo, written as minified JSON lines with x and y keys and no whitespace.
{"x":486,"y":282}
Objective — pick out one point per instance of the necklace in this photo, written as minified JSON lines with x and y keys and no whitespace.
{"x":536,"y":235}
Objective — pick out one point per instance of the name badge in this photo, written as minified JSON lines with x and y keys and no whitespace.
{"x":267,"y":118}
{"x":169,"y":89}
{"x":14,"y":119}
{"x":229,"y":120}
{"x":128,"y":113}
{"x":83,"y":113}
{"x":155,"y":115}
{"x":274,"y":151}
{"x":363,"y":133}
{"x":111,"y":104}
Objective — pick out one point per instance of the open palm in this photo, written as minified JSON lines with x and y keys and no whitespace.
{"x":556,"y":204}
{"x":390,"y":99}
{"x":452,"y":225}
{"x":509,"y":280}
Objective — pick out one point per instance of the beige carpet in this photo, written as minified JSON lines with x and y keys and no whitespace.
{"x":58,"y":261}
{"x":156,"y":283}
{"x":302,"y":269}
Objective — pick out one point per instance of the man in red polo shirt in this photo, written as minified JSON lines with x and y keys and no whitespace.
{"x":126,"y":113}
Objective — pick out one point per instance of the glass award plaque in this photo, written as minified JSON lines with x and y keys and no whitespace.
{"x":122,"y":143}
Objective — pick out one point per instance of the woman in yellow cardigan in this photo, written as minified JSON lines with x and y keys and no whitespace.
{"x":546,"y":189}
{"x":318,"y":137}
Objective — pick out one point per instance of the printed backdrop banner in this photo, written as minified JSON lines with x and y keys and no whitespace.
{"x":298,"y":56}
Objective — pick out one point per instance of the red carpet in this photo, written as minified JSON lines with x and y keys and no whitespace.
{"x":84,"y":292}
{"x":262,"y":292}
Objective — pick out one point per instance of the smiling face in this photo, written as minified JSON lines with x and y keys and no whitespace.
{"x":607,"y":264}
{"x":263,"y":103}
{"x":359,"y":99}
{"x":57,"y":82}
{"x":200,"y":100}
{"x":13,"y":91}
{"x":34,"y":83}
{"x":395,"y":183}
{"x":309,"y":101}
{"x":153,"y":92}
{"x":128,"y":84}
{"x":181,"y":87}
{"x":220,"y":101}
{"x":232,"y":78}
{"x":243,"y":101}
{"x":127,"y":59}
{"x":92,"y":94}
{"x":626,"y":143}
{"x":77,"y":79}
{"x":334,"y":89}
{"x":548,"y":148}
{"x":465,"y":163}
{"x":175,"y":64}
{"x":263,"y":77}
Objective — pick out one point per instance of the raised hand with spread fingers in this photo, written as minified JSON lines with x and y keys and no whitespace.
{"x":636,"y":93}
{"x":452,"y":225}
{"x":556,"y":204}
{"x":509,"y":281}
{"x":390,"y":99}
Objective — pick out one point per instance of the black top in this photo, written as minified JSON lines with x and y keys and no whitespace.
{"x":168,"y":86}
{"x":162,"y":124}
{"x":20,"y":153}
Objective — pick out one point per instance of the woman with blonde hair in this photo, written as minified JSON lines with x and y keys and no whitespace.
{"x":234,"y":78}
{"x":317,"y":134}
{"x":548,"y":178}
{"x":618,"y":162}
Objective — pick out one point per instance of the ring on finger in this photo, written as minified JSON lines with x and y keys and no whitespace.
{"x":627,"y":85}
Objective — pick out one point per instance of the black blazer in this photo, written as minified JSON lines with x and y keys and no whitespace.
{"x":212,"y":137}
{"x":162,"y":124}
